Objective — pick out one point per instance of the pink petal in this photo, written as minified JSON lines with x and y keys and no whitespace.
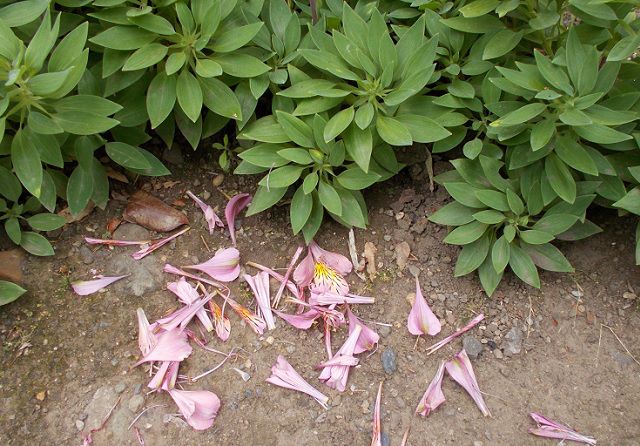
{"x":421,"y":319}
{"x":156,"y":244}
{"x":552,"y":429}
{"x":209,"y":214}
{"x":368,"y":338}
{"x":254,"y":321}
{"x":349,"y":361}
{"x":285,"y":279}
{"x":86,"y":287}
{"x":293,"y":289}
{"x":433,"y":397}
{"x":223,"y":266}
{"x":338,"y":262}
{"x":284,"y":375}
{"x":303,"y":274}
{"x":221,"y":322}
{"x":199,"y":407}
{"x":259,"y":285}
{"x":329,"y":298}
{"x":109,"y":242}
{"x":146,"y":338}
{"x":171,"y":346}
{"x":438,"y":345}
{"x":231,"y":211}
{"x":376,"y":438}
{"x":460,"y":369}
{"x":177,"y":271}
{"x":188,"y":295}
{"x":302,"y":321}
{"x":336,"y":376}
{"x":182,"y":317}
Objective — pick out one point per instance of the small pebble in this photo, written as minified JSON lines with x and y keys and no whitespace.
{"x":79,"y":425}
{"x":217,"y":180}
{"x":120,"y":387}
{"x":389,"y":363}
{"x":498,"y":353}
{"x":135,"y":403}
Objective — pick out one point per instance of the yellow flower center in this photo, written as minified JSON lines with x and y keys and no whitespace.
{"x":328,"y":279}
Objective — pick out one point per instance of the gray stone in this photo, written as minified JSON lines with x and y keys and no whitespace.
{"x":146,"y":274}
{"x":384,"y":439}
{"x":120,"y":387}
{"x":389,"y":363}
{"x":414,"y":270}
{"x":103,"y":400}
{"x":472,"y":346}
{"x":79,"y":425}
{"x":512,"y":342}
{"x":172,"y":419}
{"x":135,"y":403}
{"x":131,"y":232}
{"x":86,"y":255}
{"x":498,"y":353}
{"x":452,"y":302}
{"x":384,"y":331}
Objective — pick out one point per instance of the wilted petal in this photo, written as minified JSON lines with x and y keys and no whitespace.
{"x":254,"y":321}
{"x":334,"y":260}
{"x":221,"y":322}
{"x":209,"y":214}
{"x":199,"y":407}
{"x":433,"y":397}
{"x":157,"y":244}
{"x":303,"y":274}
{"x":285,"y":279}
{"x":231,"y":211}
{"x":283,"y":375}
{"x":177,"y":271}
{"x":259,"y":284}
{"x":109,"y":242}
{"x":336,"y":376}
{"x":171,"y":346}
{"x":182,"y":317}
{"x":376,"y":438}
{"x":188,"y":295}
{"x":368,"y":338}
{"x":146,"y":338}
{"x":460,"y":369}
{"x":552,"y":429}
{"x":86,"y":287}
{"x":421,"y":319}
{"x":328,"y":298}
{"x":293,"y":289}
{"x":303,"y":321}
{"x":438,"y":345}
{"x":223,"y":266}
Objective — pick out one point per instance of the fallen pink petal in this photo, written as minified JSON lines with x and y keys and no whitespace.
{"x":220,"y":321}
{"x":303,"y":321}
{"x":460,"y":369}
{"x":438,"y":345}
{"x":210,"y":215}
{"x":223,"y":266}
{"x":433,"y":397}
{"x":421,"y":319}
{"x":285,"y":280}
{"x":86,"y":287}
{"x":177,"y":271}
{"x":552,"y":429}
{"x":335,"y":376}
{"x":146,"y":339}
{"x":156,"y":244}
{"x":284,"y":375}
{"x":109,"y":242}
{"x":368,"y":338}
{"x":198,"y":407}
{"x":171,"y":346}
{"x":259,"y":285}
{"x":293,"y":289}
{"x":376,"y":437}
{"x":329,"y":298}
{"x":231,"y":211}
{"x":189,"y":295}
{"x":180,"y":318}
{"x":254,"y":321}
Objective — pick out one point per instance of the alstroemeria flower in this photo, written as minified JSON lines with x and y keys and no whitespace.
{"x":368,"y":338}
{"x":552,"y":429}
{"x":460,"y":369}
{"x":146,"y":338}
{"x":231,"y":211}
{"x":223,"y":266}
{"x":438,"y":345}
{"x":188,"y":295}
{"x":325,"y":269}
{"x":330,"y":298}
{"x":170,"y":346}
{"x":181,"y":318}
{"x":335,"y":376}
{"x":421,"y":319}
{"x":259,"y":284}
{"x":433,"y":397}
{"x":221,"y":321}
{"x":86,"y":287}
{"x":209,"y":214}
{"x":376,"y":437}
{"x":254,"y":321}
{"x":199,"y":407}
{"x":283,"y":375}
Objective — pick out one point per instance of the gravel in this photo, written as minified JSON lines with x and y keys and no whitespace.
{"x":472,"y":346}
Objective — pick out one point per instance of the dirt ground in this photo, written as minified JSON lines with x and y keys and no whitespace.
{"x":66,"y":359}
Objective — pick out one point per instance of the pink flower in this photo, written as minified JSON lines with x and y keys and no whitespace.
{"x":376,"y":438}
{"x":146,"y":339}
{"x":171,"y":346}
{"x":421,"y":319}
{"x":325,"y":269}
{"x":259,"y":284}
{"x":223,"y":266}
{"x":335,"y":372}
{"x":199,"y":407}
{"x":188,"y":295}
{"x":368,"y":338}
{"x":221,"y":322}
{"x":438,"y":345}
{"x":433,"y":397}
{"x":283,"y":375}
{"x":231,"y":211}
{"x":209,"y":214}
{"x":552,"y":429}
{"x":157,"y":244}
{"x":303,"y":321}
{"x":86,"y":287}
{"x":460,"y":369}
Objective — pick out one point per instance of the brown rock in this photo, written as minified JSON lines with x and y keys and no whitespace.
{"x":11,"y":265}
{"x":402,"y":254}
{"x":152,"y":213}
{"x":370,"y":257}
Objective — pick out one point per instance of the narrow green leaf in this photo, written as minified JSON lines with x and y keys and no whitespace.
{"x":329,"y":198}
{"x":281,"y":177}
{"x":296,"y":129}
{"x":523,"y":266}
{"x":359,"y":145}
{"x":127,"y":155}
{"x":160,"y":98}
{"x":36,"y":244}
{"x":547,"y":256}
{"x":300,"y":209}
{"x":392,"y":131}
{"x":453,"y":214}
{"x":10,"y":291}
{"x":472,"y":256}
{"x":519,"y":116}
{"x":466,"y":234}
{"x":189,"y":95}
{"x":575,"y":155}
{"x":46,"y":222}
{"x":338,"y":123}
{"x":560,"y":178}
{"x":535,"y":237}
{"x":500,"y":254}
{"x":264,"y":198}
{"x":501,"y":43}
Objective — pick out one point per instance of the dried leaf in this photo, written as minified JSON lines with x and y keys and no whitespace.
{"x":152,"y":213}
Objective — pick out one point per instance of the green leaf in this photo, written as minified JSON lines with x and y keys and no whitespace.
{"x":520,"y":116}
{"x":157,"y":169}
{"x":574,"y":117}
{"x":46,"y":222}
{"x":160,"y":98}
{"x":554,"y":74}
{"x":265,"y":129}
{"x":145,"y":56}
{"x":523,"y":266}
{"x":555,"y":223}
{"x":479,"y":8}
{"x":464,"y":194}
{"x":359,"y":145}
{"x":175,"y":61}
{"x":575,"y":155}
{"x":541,"y":133}
{"x":79,"y":189}
{"x":465,"y":234}
{"x":338,"y":123}
{"x":220,"y":99}
{"x":355,"y":178}
{"x":154,"y":23}
{"x":421,"y":128}
{"x":535,"y":237}
{"x":297,"y":155}
{"x":580,"y":231}
{"x":624,"y":48}
{"x":630,"y":202}
{"x":189,"y":95}
{"x":20,"y":13}
{"x":26,"y":163}
{"x":127,"y":155}
{"x":264,"y":155}
{"x":281,"y":177}
{"x":515,"y":203}
{"x":489,"y":217}
{"x":300,"y":209}
{"x":488,"y":277}
{"x":476,"y":25}
{"x":48,"y":83}
{"x":83,"y":123}
{"x":509,"y":232}
{"x":560,"y":178}
{"x":83,"y":103}
{"x":36,"y":244}
{"x":10,"y":291}
{"x":472,"y":149}
{"x":241,"y":65}
{"x":296,"y":129}
{"x":500,"y":254}
{"x":547,"y":256}
{"x":392,"y":131}
{"x":315,"y":219}
{"x":601,"y":134}
{"x":453,"y":214}
{"x":12,"y":228}
{"x":501,"y":43}
{"x":264,"y":198}
{"x":329,"y":198}
{"x":310,"y":182}
{"x":329,"y":62}
{"x":582,"y":63}
{"x":493,"y":199}
{"x":9,"y":185}
{"x":123,"y":38}
{"x":235,"y":37}
{"x":364,"y":115}
{"x":472,"y":256}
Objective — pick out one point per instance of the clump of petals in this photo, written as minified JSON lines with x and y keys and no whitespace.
{"x":284,"y":375}
{"x":368,"y":338}
{"x":171,"y":346}
{"x":335,"y":372}
{"x":259,"y":284}
{"x":552,"y":429}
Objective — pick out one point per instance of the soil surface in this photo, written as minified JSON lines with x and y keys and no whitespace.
{"x":66,"y":359}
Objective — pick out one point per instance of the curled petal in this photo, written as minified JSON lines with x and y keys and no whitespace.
{"x":460,"y":369}
{"x":223,"y":266}
{"x":336,"y":261}
{"x":552,"y":429}
{"x":209,"y":214}
{"x":221,"y":322}
{"x":303,"y":321}
{"x":328,"y":298}
{"x":303,"y":274}
{"x":177,"y":271}
{"x":254,"y":321}
{"x":199,"y":407}
{"x":109,"y":242}
{"x":283,"y":375}
{"x":86,"y":287}
{"x":189,"y":295}
{"x":433,"y":397}
{"x":146,"y":338}
{"x":231,"y":211}
{"x":438,"y":345}
{"x":376,"y":437}
{"x":182,"y":317}
{"x":368,"y":338}
{"x":259,"y":284}
{"x":335,"y":376}
{"x":421,"y":319}
{"x":157,"y":244}
{"x":171,"y":346}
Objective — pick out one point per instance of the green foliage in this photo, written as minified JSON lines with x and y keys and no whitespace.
{"x":9,"y":292}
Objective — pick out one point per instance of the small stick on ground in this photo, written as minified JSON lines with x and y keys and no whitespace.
{"x":87,"y":439}
{"x":599,"y":342}
{"x":354,"y":255}
{"x":224,"y":194}
{"x":205,"y":243}
{"x":142,"y":413}
{"x":622,"y":344}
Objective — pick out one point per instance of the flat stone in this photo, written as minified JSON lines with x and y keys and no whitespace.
{"x":120,"y":387}
{"x":512,"y":344}
{"x":79,"y":425}
{"x":135,"y":403}
{"x":389,"y":363}
{"x":86,"y":255}
{"x":131,"y":232}
{"x":472,"y":346}
{"x":11,"y":265}
{"x":103,"y":400}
